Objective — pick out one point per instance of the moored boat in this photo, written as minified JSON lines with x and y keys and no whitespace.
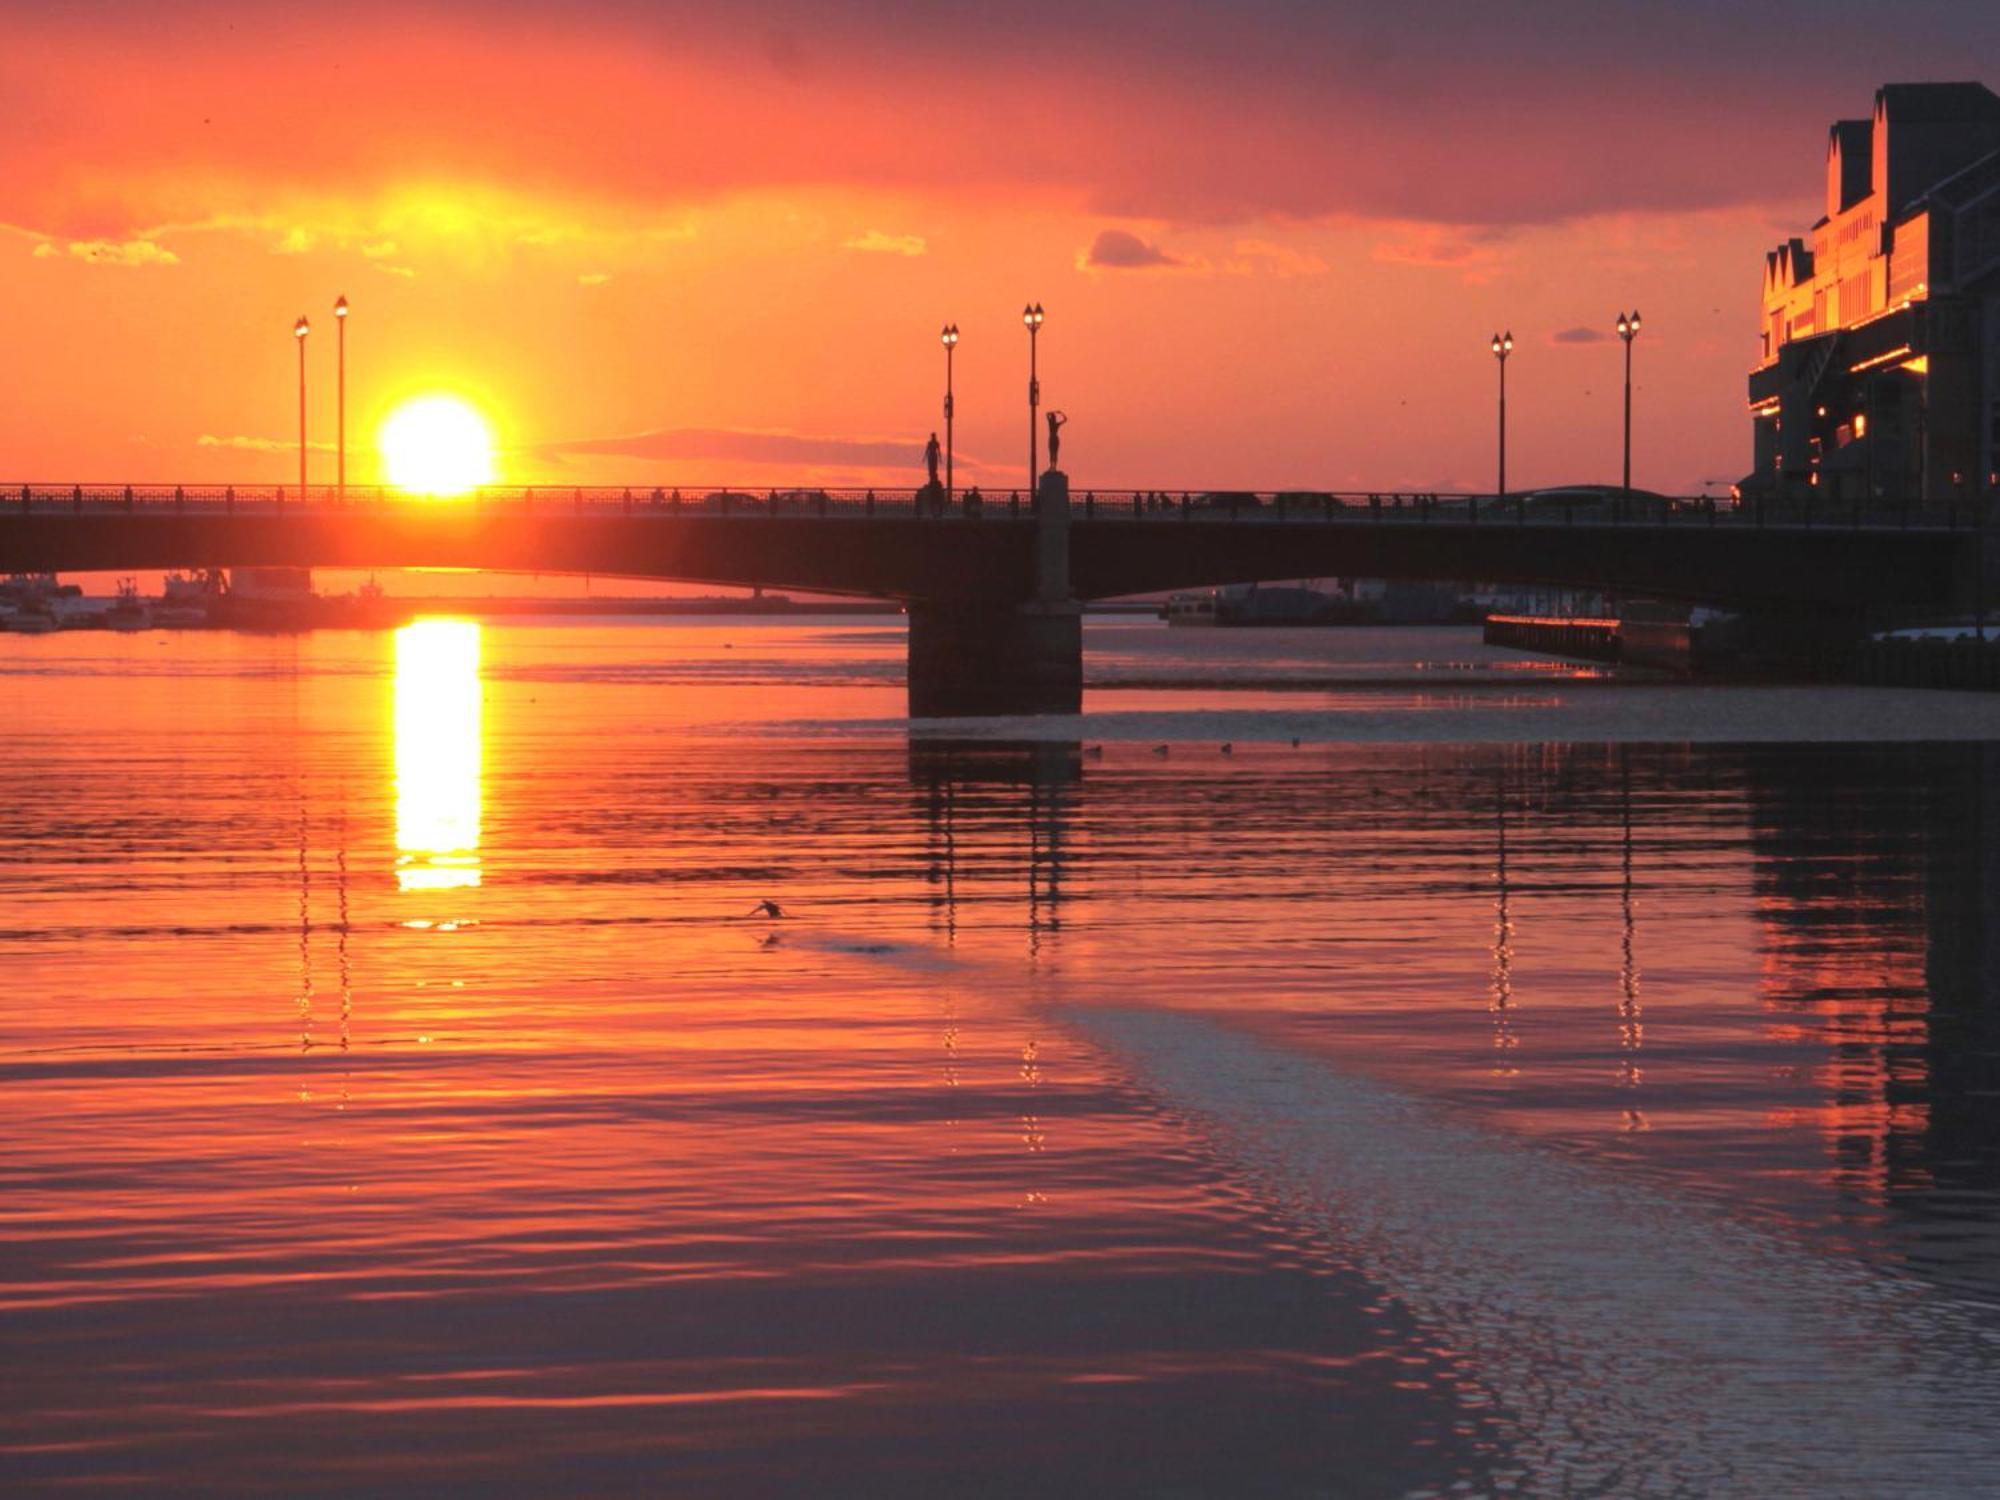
{"x":128,"y":611}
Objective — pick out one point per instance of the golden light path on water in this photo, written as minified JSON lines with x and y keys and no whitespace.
{"x":440,"y":755}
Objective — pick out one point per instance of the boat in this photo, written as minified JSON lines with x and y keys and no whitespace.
{"x":1263,"y":604}
{"x":128,"y":612}
{"x":36,"y":591}
{"x":186,"y":598}
{"x":283,"y":599}
{"x":1190,"y":609}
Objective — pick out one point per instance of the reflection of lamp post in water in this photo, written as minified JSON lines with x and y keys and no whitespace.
{"x":305,"y":939}
{"x":1500,"y":1002}
{"x":340,"y":399}
{"x":299,"y":331}
{"x":1031,"y":315}
{"x":1631,"y":1017}
{"x":950,"y":340}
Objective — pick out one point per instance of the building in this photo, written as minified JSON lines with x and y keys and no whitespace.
{"x":1880,"y":369}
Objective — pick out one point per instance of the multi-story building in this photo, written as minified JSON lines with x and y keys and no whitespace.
{"x":1880,"y":370}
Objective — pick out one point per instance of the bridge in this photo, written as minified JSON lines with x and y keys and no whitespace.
{"x":993,"y":587}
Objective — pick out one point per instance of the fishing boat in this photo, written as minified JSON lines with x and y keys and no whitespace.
{"x":24,"y":620}
{"x":29,"y":602}
{"x":128,"y":611}
{"x":186,"y":598}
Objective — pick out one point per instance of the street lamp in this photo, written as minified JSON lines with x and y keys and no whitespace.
{"x":1628,"y":330}
{"x":1031,"y":315}
{"x":340,"y":400}
{"x":1503,"y":345}
{"x":950,"y":340}
{"x":299,"y":331}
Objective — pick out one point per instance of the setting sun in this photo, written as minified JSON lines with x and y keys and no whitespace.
{"x":437,"y":445}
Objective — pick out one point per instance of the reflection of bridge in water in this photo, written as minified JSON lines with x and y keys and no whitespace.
{"x":992,"y":590}
{"x":1866,"y":892}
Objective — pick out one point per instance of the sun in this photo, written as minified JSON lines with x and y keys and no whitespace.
{"x":437,"y":445}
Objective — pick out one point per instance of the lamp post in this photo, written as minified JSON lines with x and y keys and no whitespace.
{"x":1031,"y":315}
{"x":299,"y":331}
{"x":1628,"y":330}
{"x":950,"y":340}
{"x":340,"y":401}
{"x":1503,"y":345}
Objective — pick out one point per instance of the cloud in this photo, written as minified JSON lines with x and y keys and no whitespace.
{"x":593,"y":278}
{"x":876,"y":242}
{"x":241,"y":444}
{"x":137,"y":252}
{"x":1274,"y":110}
{"x":1578,"y":335}
{"x":741,"y":445}
{"x":1280,"y":260}
{"x":1121,"y":250}
{"x":1472,"y":250}
{"x":406,"y":273}
{"x":380,"y":250}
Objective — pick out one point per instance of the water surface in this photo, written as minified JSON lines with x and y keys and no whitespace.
{"x":1531,"y":1080}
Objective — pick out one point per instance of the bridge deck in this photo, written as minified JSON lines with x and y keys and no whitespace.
{"x":855,"y":542}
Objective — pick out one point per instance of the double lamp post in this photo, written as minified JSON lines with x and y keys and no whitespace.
{"x":1031,"y":318}
{"x":1503,"y":345}
{"x":300,"y":330}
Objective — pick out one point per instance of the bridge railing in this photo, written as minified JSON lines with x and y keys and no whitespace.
{"x":1140,"y":507}
{"x":516,"y":500}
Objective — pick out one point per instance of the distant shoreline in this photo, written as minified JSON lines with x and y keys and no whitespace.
{"x":499,"y":605}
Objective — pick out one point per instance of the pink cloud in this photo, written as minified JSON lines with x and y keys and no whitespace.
{"x":123,"y":117}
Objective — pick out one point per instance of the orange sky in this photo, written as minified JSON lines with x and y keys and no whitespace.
{"x":681,"y":244}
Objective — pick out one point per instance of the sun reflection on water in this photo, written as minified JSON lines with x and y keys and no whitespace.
{"x":439,"y":756}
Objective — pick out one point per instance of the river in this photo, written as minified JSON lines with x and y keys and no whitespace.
{"x":1342,"y":1062}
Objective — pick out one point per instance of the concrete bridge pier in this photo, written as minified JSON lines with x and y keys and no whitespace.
{"x":968,"y":660}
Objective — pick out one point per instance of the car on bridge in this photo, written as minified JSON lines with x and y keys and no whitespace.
{"x":1229,"y":500}
{"x":800,"y":502}
{"x":1593,"y":502}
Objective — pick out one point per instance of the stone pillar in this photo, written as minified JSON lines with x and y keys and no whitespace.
{"x":1052,"y":539}
{"x":972,"y":660}
{"x":976,"y":659}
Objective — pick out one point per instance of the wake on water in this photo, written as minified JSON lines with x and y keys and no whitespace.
{"x":1630,"y":1342}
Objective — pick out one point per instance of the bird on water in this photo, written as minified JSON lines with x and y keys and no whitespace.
{"x":767,"y":908}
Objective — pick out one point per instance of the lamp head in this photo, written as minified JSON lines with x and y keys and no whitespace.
{"x":340,"y":307}
{"x":950,"y":334}
{"x":1032,"y":315}
{"x":301,"y":328}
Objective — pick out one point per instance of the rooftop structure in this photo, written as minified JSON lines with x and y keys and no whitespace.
{"x":1879,"y":372}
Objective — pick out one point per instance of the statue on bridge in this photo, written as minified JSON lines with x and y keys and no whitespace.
{"x":1057,"y":421}
{"x":930,"y":499}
